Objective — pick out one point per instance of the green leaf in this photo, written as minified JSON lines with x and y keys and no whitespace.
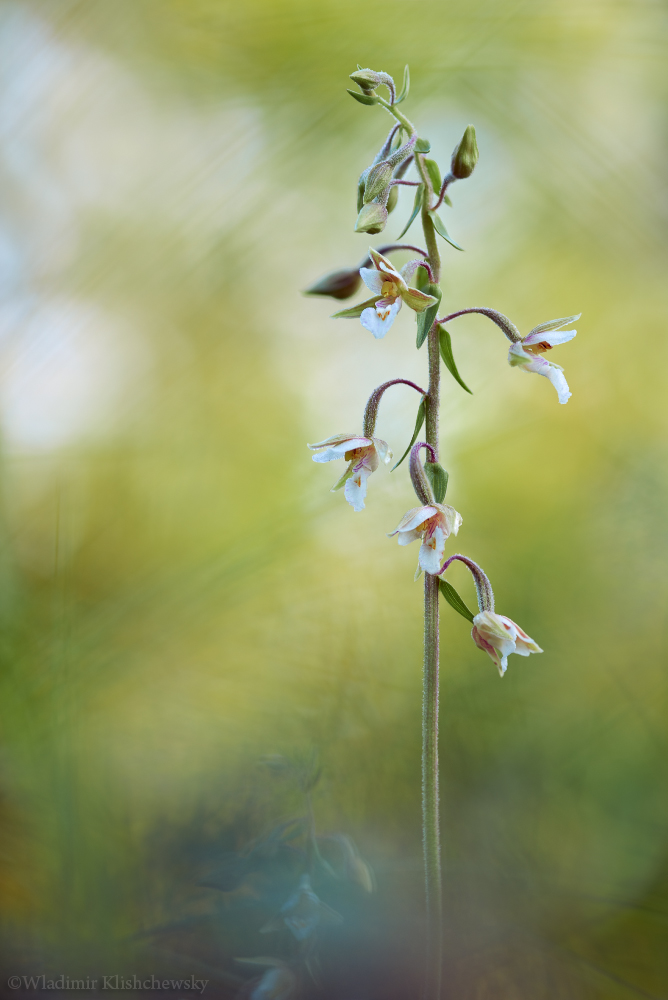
{"x":406,"y":87}
{"x":454,"y":600}
{"x":442,"y":231}
{"x":421,"y":414}
{"x":434,"y":174}
{"x":340,"y":483}
{"x":447,"y":201}
{"x":363,"y":98}
{"x":445,"y":345}
{"x":356,"y":311}
{"x":422,"y":146}
{"x":438,"y":478}
{"x":417,"y":205}
{"x":426,"y":319}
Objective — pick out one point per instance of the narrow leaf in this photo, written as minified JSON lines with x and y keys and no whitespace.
{"x":454,"y":600}
{"x":446,"y":199}
{"x":406,"y":87}
{"x":421,"y":413}
{"x":422,"y":146}
{"x":340,"y":483}
{"x":417,"y":205}
{"x":426,"y":319}
{"x":356,"y":311}
{"x":442,"y":231}
{"x":363,"y":98}
{"x":445,"y":345}
{"x":438,"y":478}
{"x":434,"y":174}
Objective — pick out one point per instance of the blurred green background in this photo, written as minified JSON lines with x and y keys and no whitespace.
{"x":180,"y":592}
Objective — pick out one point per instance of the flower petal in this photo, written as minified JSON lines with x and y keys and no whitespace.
{"x":417,"y":300}
{"x":553,"y":339}
{"x":373,"y":279}
{"x":414,"y":518}
{"x":385,"y":266}
{"x":432,"y":549}
{"x":451,"y":520}
{"x":340,"y":439}
{"x":379,"y":326}
{"x":383,"y":450}
{"x":339,"y":450}
{"x":533,"y":363}
{"x":355,"y":488}
{"x":552,"y":324}
{"x":481,"y":642}
{"x":406,"y":537}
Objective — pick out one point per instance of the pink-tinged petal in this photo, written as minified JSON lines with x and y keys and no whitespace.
{"x":532,"y":363}
{"x":553,"y":339}
{"x":417,"y":300}
{"x":524,"y":644}
{"x":500,"y":662}
{"x":383,"y":451}
{"x":432,"y":549}
{"x":373,"y":279}
{"x":558,"y":380}
{"x":415,"y":517}
{"x":355,"y":488}
{"x":451,"y":520}
{"x":385,"y":266}
{"x":406,"y":537}
{"x":517,"y":356}
{"x":500,"y":632}
{"x":340,"y":439}
{"x":409,"y":269}
{"x":380,"y":324}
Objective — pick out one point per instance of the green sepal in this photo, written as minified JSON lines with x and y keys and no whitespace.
{"x":421,"y":414}
{"x":446,"y":199}
{"x":344,"y":478}
{"x":442,"y":231}
{"x":454,"y":600}
{"x":417,"y":205}
{"x":426,"y":319}
{"x":445,"y":346}
{"x":438,"y":478}
{"x":422,"y":146}
{"x":406,"y":87}
{"x":434,"y":174}
{"x":356,"y":311}
{"x":363,"y":98}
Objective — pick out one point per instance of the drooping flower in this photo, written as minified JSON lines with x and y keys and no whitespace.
{"x":302,"y":913}
{"x":391,"y":285}
{"x":432,"y":524}
{"x":499,"y":637}
{"x":527,"y":353}
{"x":364,"y":455}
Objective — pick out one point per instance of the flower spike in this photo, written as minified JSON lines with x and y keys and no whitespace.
{"x":496,"y":635}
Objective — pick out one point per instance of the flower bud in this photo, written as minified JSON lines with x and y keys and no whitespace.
{"x":367,"y":79}
{"x":372,"y":218}
{"x":393,"y":199}
{"x":337,"y":284}
{"x":465,"y":155}
{"x":377,"y":180}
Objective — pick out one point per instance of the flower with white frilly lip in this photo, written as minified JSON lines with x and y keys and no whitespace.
{"x":364,"y":455}
{"x":527,"y":353}
{"x":432,"y":524}
{"x":391,"y":285}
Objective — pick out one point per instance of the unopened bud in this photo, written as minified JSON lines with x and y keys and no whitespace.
{"x":465,"y":155}
{"x":377,"y":180}
{"x":367,"y":79}
{"x":337,"y":284}
{"x":372,"y":218}
{"x":393,"y":199}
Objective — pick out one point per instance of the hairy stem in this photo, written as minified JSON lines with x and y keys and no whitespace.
{"x":431,"y":836}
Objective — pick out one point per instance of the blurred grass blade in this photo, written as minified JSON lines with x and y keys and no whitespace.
{"x":421,"y":413}
{"x":445,"y":345}
{"x":454,"y":600}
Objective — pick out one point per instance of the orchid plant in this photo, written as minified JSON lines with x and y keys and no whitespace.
{"x":433,"y":522}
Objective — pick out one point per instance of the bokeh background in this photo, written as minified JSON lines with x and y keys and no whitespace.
{"x":181,"y":595}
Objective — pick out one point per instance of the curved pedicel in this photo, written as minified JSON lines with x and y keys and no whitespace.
{"x":371,"y":408}
{"x":421,"y":484}
{"x":482,"y":585}
{"x":509,"y":328}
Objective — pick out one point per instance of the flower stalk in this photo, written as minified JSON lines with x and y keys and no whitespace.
{"x":433,"y":521}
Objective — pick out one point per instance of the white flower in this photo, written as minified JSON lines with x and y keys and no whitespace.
{"x":499,"y":637}
{"x":383,"y":279}
{"x":364,"y":455}
{"x":432,"y":524}
{"x":526,"y":354}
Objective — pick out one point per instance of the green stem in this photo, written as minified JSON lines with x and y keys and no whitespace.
{"x":431,"y":835}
